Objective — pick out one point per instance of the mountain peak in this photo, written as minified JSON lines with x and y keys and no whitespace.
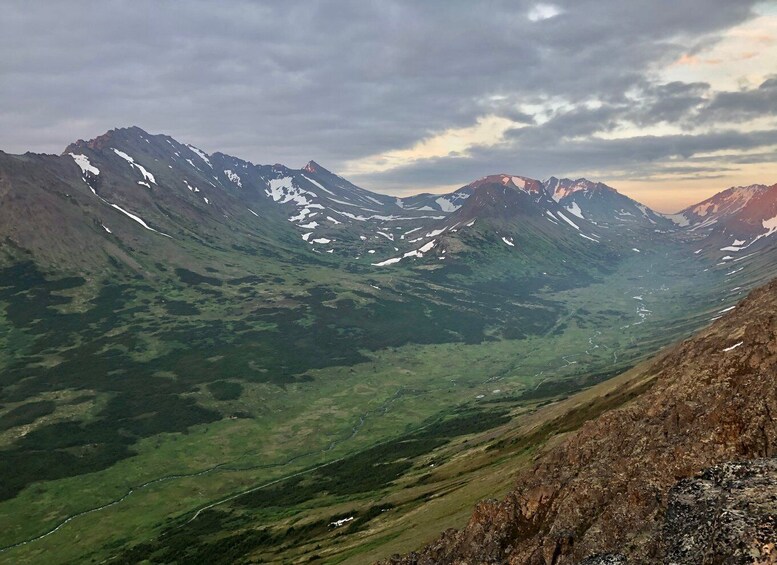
{"x":106,"y":139}
{"x":559,"y":188}
{"x":524,"y":184}
{"x":313,"y":167}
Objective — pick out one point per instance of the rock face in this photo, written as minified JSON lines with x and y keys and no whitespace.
{"x":726,"y":515}
{"x":609,"y":559}
{"x":605,"y":490}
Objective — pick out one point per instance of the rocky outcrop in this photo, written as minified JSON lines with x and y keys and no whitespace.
{"x":605,"y":489}
{"x":726,"y":515}
{"x":609,"y":559}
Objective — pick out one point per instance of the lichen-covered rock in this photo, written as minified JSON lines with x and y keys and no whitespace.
{"x":728,"y":514}
{"x":608,"y":559}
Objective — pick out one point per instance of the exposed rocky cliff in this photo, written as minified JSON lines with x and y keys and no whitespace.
{"x":608,"y":488}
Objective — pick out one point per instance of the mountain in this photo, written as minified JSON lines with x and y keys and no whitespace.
{"x":723,"y":206}
{"x":436,"y":202}
{"x":130,"y":185}
{"x":609,"y":488}
{"x":735,"y":222}
{"x":332,"y":212}
{"x":559,"y":216}
{"x":601,"y":203}
{"x":204,"y":359}
{"x":151,"y":186}
{"x":510,"y":213}
{"x":139,"y":200}
{"x":125,"y":195}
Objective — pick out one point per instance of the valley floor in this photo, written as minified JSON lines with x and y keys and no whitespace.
{"x":367,"y":459}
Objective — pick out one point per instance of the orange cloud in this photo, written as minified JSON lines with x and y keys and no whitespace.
{"x":687,"y":60}
{"x":694,"y":61}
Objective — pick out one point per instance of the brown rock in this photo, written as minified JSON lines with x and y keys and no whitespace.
{"x":605,"y":489}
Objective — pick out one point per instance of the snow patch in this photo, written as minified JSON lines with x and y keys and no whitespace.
{"x":387,"y":262}
{"x":283,"y":190}
{"x":446,"y":205}
{"x":338,"y":523}
{"x":137,"y":219}
{"x":427,"y":247}
{"x":146,"y":175}
{"x":83,"y":162}
{"x":770,"y":225}
{"x":567,"y":220}
{"x":234,"y":177}
{"x":375,"y":200}
{"x":201,"y":154}
{"x":575,"y":210}
{"x":318,"y":184}
{"x":519,"y":182}
{"x":124,"y":156}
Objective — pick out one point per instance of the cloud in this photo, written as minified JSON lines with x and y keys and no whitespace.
{"x":744,"y":104}
{"x":487,"y":132}
{"x":634,"y":157}
{"x":367,"y":81}
{"x":540,"y":12}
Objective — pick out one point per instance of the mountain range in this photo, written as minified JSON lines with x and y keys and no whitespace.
{"x":84,"y":206}
{"x":204,"y":359}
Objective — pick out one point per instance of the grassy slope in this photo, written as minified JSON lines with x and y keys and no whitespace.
{"x":300,"y":424}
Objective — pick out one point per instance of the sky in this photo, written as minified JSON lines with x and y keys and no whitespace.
{"x":667,"y":101}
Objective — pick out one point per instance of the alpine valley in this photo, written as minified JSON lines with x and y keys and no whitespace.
{"x":206,"y":360}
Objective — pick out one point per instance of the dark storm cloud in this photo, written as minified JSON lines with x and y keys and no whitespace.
{"x":335,"y":81}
